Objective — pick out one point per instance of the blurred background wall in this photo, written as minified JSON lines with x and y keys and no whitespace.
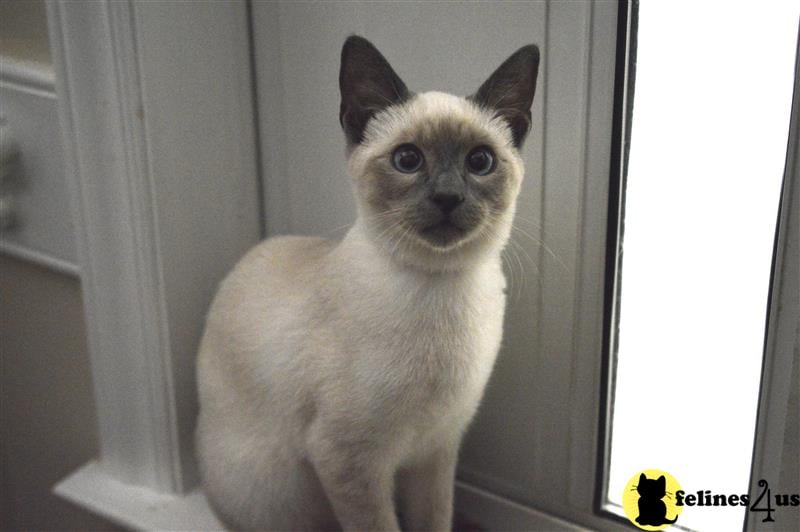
{"x":47,"y":420}
{"x":23,"y":30}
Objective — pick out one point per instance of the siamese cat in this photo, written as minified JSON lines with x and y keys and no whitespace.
{"x":336,"y":379}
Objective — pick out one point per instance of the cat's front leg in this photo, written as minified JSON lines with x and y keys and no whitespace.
{"x":426,"y":492}
{"x":357,"y":478}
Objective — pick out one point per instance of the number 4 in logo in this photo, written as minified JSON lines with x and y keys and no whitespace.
{"x":769,"y":509}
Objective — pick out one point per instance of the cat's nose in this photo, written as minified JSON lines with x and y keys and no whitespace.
{"x":447,"y":201}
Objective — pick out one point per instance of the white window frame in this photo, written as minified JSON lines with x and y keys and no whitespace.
{"x":129,"y":79}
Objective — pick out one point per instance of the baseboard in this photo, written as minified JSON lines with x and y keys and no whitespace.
{"x":491,"y":512}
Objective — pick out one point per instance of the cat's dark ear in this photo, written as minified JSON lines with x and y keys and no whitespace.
{"x":368,"y":85}
{"x":662,"y":482}
{"x":642,"y":478}
{"x":509,"y":91}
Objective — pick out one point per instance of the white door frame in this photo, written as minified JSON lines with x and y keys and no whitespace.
{"x":155,"y":103}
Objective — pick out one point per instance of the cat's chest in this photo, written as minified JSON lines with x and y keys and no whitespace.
{"x":437,"y":339}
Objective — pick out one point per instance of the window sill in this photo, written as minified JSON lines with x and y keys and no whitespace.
{"x":138,"y":508}
{"x":135,"y":507}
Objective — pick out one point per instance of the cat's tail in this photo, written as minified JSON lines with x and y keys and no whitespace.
{"x":670,"y":521}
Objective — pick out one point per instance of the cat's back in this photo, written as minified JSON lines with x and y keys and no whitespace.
{"x":252,"y":327}
{"x":279,"y":267}
{"x":278,"y":259}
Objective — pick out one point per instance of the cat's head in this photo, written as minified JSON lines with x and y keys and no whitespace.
{"x":436,"y":176}
{"x":652,"y":488}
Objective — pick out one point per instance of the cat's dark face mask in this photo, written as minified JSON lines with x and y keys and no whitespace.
{"x":444,"y":181}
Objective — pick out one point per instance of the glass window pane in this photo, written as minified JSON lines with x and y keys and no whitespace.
{"x":709,"y":129}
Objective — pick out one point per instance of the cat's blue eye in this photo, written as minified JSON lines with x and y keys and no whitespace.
{"x":407,"y":158}
{"x":480,"y":161}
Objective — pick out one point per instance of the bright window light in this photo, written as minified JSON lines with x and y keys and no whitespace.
{"x":711,"y":109}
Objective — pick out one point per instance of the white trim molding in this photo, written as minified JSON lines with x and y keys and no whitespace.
{"x":45,"y":260}
{"x":133,"y":507}
{"x":27,"y":76}
{"x":33,"y":182}
{"x":160,"y":148}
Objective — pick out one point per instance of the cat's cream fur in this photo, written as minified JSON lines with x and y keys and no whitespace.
{"x":336,"y":378}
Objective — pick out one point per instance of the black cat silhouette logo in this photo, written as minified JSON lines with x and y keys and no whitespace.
{"x":649,"y":499}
